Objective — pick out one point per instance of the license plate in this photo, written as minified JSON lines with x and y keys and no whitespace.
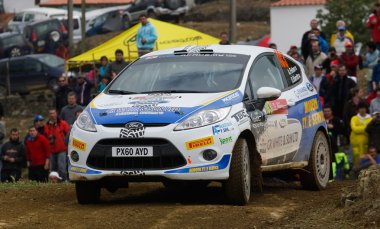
{"x":146,"y":151}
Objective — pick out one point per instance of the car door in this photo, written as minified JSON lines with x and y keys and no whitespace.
{"x":17,"y":75}
{"x":277,"y":136}
{"x":35,"y":75}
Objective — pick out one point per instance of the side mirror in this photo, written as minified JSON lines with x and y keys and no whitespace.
{"x":268,"y":93}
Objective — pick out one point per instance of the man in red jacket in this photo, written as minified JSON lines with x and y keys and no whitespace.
{"x":373,"y":23}
{"x":56,"y":131}
{"x":38,"y":154}
{"x":350,"y":59}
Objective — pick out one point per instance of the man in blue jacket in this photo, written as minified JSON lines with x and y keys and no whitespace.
{"x":146,"y":36}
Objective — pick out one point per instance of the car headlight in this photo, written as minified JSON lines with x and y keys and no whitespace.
{"x":204,"y":118}
{"x":85,"y":122}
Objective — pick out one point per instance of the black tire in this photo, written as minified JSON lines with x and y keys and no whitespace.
{"x":317,"y":174}
{"x":88,"y":192}
{"x":238,"y":185}
{"x":15,"y":51}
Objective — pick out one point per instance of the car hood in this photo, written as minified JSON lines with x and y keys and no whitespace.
{"x":157,"y":108}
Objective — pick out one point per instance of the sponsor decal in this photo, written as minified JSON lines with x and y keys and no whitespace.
{"x":258,"y":125}
{"x":311,"y":105}
{"x":282,"y":140}
{"x":148,"y":102}
{"x":282,"y":123}
{"x":139,"y":109}
{"x":132,"y":173}
{"x":241,"y":117}
{"x":156,"y":97}
{"x":231,"y":97}
{"x":79,"y":144}
{"x":189,"y":160}
{"x":224,"y":141}
{"x":199,"y":143}
{"x":313,"y":119}
{"x":281,"y":58}
{"x":279,"y":106}
{"x":132,"y":130}
{"x":222,"y":164}
{"x":294,"y":74}
{"x":222,"y":128}
{"x":76,"y":169}
{"x":301,"y":92}
{"x":309,"y":86}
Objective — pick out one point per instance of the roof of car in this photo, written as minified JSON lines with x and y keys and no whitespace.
{"x":47,"y":10}
{"x":94,"y":13}
{"x":26,"y":57}
{"x":230,"y":49}
{"x":41,"y":21}
{"x":8,"y":34}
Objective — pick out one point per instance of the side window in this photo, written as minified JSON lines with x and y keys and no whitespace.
{"x":32,"y":66}
{"x":18,"y":17}
{"x":16,"y":66}
{"x":265,"y":73}
{"x":292,"y":73}
{"x":29,"y":17}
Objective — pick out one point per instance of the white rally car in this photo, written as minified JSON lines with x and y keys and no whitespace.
{"x":199,"y":114}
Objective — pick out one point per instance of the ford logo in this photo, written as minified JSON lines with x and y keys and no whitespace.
{"x":134,"y":125}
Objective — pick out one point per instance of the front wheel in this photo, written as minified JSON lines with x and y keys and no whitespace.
{"x":317,"y":172}
{"x":87,"y":192}
{"x":238,"y":185}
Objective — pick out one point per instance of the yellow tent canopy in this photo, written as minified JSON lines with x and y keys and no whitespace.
{"x":169,"y":36}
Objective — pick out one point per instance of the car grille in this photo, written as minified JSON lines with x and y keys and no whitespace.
{"x":165,"y":155}
{"x":121,"y":125}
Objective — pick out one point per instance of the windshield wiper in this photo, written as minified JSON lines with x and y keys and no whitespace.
{"x":171,"y":91}
{"x":121,"y":92}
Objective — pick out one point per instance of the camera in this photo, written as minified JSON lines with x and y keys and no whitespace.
{"x":51,"y":139}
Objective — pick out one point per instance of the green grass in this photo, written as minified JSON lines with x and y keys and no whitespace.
{"x":26,"y":184}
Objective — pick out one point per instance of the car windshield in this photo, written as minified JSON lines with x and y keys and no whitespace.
{"x":192,"y":73}
{"x":51,"y":60}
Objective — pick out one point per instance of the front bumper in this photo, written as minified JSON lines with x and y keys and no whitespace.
{"x":174,"y":156}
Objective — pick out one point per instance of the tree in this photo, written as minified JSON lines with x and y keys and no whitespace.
{"x":355,"y":13}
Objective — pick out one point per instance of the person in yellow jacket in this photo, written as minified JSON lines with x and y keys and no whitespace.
{"x":341,"y":36}
{"x":358,"y":137}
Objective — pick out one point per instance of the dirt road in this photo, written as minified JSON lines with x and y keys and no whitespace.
{"x":150,"y":205}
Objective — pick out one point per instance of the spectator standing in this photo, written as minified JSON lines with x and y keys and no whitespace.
{"x":51,"y":45}
{"x":351,"y":108}
{"x":373,"y":131}
{"x":341,"y":38}
{"x":297,"y":57}
{"x":319,"y":80}
{"x":350,"y":59}
{"x":375,"y":103}
{"x":61,"y":93}
{"x":373,"y":23}
{"x":224,"y":39}
{"x":335,"y":127}
{"x":146,"y":36}
{"x":358,"y":136}
{"x":62,"y":51}
{"x":331,"y":57}
{"x":316,"y":57}
{"x":56,"y":131}
{"x":83,"y":90}
{"x":322,"y":42}
{"x":38,"y":155}
{"x":340,"y":91}
{"x":103,"y":70}
{"x":103,"y":84}
{"x":305,"y":43}
{"x":39,"y":123}
{"x":375,"y":80}
{"x":118,"y":65}
{"x":13,"y":157}
{"x":69,"y":111}
{"x":369,"y":60}
{"x":340,"y":24}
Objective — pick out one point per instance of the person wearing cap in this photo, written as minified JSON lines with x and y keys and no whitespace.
{"x":305,"y":43}
{"x":375,"y":103}
{"x":316,"y":57}
{"x":341,"y":24}
{"x":373,"y":23}
{"x":331,"y":56}
{"x":373,"y":130}
{"x":12,"y":155}
{"x":39,"y":123}
{"x":54,"y":177}
{"x":319,"y":80}
{"x":38,"y":155}
{"x":322,"y":42}
{"x":340,"y":40}
{"x":350,"y":59}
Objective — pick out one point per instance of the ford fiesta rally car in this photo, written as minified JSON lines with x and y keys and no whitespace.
{"x":201,"y":113}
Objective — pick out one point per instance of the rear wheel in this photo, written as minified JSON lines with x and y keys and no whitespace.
{"x":318,"y":170}
{"x":238,"y":185}
{"x":87,"y":192}
{"x":55,"y":35}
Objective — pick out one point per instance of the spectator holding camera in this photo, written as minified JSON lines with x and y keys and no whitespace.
{"x":56,"y":131}
{"x":373,"y":130}
{"x":38,"y":155}
{"x":371,"y":158}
